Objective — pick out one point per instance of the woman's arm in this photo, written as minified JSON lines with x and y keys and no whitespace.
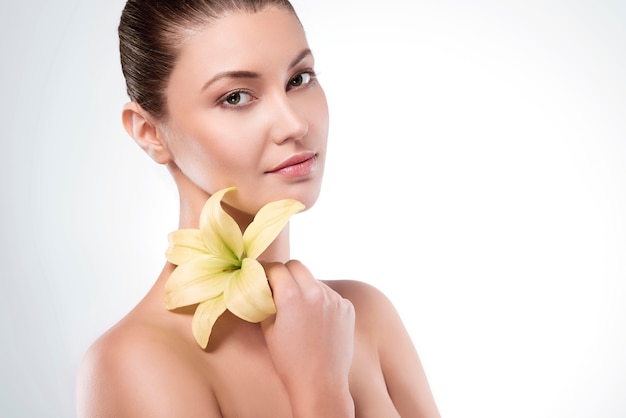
{"x":402,"y":369}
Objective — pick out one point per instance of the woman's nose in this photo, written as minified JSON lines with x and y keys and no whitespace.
{"x":288,"y":122}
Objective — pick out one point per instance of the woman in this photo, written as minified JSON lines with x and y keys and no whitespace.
{"x":224,"y":94}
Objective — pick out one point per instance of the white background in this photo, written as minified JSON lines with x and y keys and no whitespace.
{"x":476,"y":175}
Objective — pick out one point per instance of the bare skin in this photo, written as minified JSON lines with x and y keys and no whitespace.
{"x":150,"y":365}
{"x":334,"y":348}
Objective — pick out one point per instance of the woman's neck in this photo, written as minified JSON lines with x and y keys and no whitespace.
{"x":192,"y":200}
{"x":278,"y":251}
{"x":191,"y":205}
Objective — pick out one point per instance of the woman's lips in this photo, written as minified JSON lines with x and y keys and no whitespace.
{"x":296,"y":166}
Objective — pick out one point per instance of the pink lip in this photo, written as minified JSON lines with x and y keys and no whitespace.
{"x":297,"y":165}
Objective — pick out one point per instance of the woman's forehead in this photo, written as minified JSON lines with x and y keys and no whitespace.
{"x":240,"y":39}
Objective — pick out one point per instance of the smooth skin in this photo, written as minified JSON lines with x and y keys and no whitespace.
{"x":334,"y":348}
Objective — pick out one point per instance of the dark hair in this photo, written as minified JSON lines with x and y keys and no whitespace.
{"x":151,"y":33}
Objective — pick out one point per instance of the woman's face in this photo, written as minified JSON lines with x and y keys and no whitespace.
{"x":245,"y":110}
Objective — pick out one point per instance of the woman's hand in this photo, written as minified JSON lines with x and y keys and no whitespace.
{"x":311,"y":341}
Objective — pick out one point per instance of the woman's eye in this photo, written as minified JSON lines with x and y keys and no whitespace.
{"x":301,"y":79}
{"x":237,"y":98}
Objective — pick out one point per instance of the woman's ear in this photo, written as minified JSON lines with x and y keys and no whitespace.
{"x":145,"y":132}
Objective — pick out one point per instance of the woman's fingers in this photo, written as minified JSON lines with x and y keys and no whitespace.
{"x":311,"y":337}
{"x":280,"y":279}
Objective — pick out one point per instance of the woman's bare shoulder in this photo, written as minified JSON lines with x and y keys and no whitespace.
{"x":140,"y":368}
{"x":354,"y":288}
{"x":365,"y":297}
{"x":375,"y":313}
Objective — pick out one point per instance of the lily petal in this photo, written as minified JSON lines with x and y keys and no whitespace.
{"x":185,"y":244}
{"x":202,"y":278}
{"x":205,"y":317}
{"x":220,"y":233}
{"x":267,"y":224}
{"x":248,"y":294}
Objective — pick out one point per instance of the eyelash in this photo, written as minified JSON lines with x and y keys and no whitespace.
{"x":223,"y":101}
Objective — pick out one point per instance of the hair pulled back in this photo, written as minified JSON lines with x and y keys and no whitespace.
{"x":151,"y":33}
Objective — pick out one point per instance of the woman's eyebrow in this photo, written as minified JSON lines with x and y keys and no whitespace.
{"x":230,"y":74}
{"x":251,"y":74}
{"x":302,"y":55}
